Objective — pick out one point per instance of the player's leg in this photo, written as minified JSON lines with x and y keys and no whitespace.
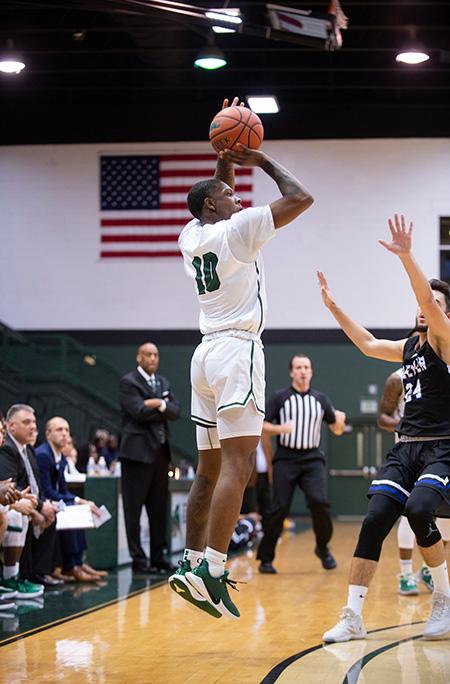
{"x":443,"y":525}
{"x":420,"y":509}
{"x":313,"y":483}
{"x":405,"y":541}
{"x":239,"y":431}
{"x":285,"y":475}
{"x":199,"y":499}
{"x":234,"y":371}
{"x":382,"y":514}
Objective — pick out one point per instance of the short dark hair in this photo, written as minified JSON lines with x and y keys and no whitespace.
{"x":444,"y":288}
{"x":199,"y":192}
{"x":300,"y":355}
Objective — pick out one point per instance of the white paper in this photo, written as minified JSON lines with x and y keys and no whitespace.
{"x":77,"y":517}
{"x":74,"y":477}
{"x":104,"y":516}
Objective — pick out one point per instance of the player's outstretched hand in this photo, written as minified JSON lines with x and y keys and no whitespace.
{"x":243,"y":156}
{"x":401,"y":237}
{"x":234,"y":103}
{"x":325,"y":290}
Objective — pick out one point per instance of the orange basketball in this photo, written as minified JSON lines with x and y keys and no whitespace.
{"x":236,"y":125}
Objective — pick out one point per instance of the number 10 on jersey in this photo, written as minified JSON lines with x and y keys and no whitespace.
{"x":205,"y":272}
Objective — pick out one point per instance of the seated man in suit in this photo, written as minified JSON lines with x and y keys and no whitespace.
{"x":17,"y":461}
{"x":9,"y":497}
{"x":52,"y":464}
{"x":147,"y":404}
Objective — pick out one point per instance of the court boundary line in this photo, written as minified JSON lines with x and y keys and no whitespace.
{"x":82,"y":613}
{"x":362,"y":662}
{"x":276,"y":671}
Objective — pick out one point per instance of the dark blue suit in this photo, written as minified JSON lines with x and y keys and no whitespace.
{"x":53,"y":482}
{"x":54,"y":487}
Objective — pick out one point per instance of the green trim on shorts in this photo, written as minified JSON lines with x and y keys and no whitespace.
{"x":249,"y":393}
{"x":259,"y":300}
{"x":203,"y":422}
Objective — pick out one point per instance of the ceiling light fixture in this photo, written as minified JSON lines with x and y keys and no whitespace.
{"x":210,"y":58}
{"x":263,"y":104}
{"x":412,"y":52}
{"x":412,"y":56}
{"x":10,"y":62}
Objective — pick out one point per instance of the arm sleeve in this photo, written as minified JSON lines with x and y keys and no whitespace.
{"x":329,"y":415}
{"x":173,"y":408}
{"x":133,"y":404}
{"x":46,"y":481}
{"x":248,"y":230}
{"x":8,"y":465}
{"x":273,"y":409}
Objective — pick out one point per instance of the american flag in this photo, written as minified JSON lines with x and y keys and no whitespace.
{"x":143,"y":201}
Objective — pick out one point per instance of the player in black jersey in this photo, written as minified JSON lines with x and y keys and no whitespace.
{"x":416,"y":475}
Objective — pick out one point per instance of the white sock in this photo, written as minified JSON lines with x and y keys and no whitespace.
{"x":194,"y":557}
{"x":216,"y":561}
{"x":440,"y":578}
{"x":10,"y":571}
{"x":356,"y":595}
{"x":406,"y":567}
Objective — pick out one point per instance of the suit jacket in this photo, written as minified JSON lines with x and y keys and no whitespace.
{"x":52,"y":475}
{"x":140,"y":424}
{"x":12,"y":465}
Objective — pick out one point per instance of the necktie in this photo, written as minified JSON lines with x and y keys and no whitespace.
{"x":160,"y":427}
{"x":31,"y":477}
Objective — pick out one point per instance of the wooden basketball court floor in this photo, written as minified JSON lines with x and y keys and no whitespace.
{"x":153,"y":637}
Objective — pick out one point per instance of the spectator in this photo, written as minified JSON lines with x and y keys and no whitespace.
{"x":33,"y":545}
{"x":110,"y":452}
{"x":52,"y":464}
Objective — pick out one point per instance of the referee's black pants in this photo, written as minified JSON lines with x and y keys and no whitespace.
{"x":307,"y":470}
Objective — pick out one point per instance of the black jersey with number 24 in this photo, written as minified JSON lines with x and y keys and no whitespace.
{"x":426,"y":384}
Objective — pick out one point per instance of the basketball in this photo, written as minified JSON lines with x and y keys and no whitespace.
{"x":234,"y":125}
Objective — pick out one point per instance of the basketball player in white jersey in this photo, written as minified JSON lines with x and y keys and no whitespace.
{"x":221,"y":249}
{"x":392,"y":406}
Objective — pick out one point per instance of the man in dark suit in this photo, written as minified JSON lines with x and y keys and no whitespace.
{"x":52,"y":464}
{"x":18,"y":462}
{"x":147,"y":404}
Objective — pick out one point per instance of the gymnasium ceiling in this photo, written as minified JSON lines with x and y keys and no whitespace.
{"x":121,"y":70}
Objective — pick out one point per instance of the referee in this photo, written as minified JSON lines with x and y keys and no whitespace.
{"x":298,"y":412}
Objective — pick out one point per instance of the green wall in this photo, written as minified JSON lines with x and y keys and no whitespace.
{"x":339,"y":370}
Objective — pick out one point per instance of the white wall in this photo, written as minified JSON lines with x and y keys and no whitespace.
{"x":51,"y":276}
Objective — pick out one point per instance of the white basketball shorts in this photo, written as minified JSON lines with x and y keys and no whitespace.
{"x":228,"y":385}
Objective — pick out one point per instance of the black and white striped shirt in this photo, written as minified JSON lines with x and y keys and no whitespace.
{"x":306,"y":410}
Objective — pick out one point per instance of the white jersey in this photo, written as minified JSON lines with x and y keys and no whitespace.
{"x":224,"y":262}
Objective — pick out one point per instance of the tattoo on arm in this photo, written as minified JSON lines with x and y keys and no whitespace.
{"x":393,"y":389}
{"x":287,"y":183}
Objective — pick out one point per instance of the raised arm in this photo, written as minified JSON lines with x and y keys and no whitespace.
{"x":295,"y":197}
{"x":386,"y":350}
{"x":224,"y":167}
{"x":388,"y":417}
{"x":436,"y":317}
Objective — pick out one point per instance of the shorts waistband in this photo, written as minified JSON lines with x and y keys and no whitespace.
{"x":233,"y":332}
{"x":407,"y":438}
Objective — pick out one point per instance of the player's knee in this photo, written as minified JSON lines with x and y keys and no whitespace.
{"x":371,"y":537}
{"x":421,"y":519}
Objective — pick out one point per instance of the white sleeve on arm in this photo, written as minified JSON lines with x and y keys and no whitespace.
{"x":248,"y":230}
